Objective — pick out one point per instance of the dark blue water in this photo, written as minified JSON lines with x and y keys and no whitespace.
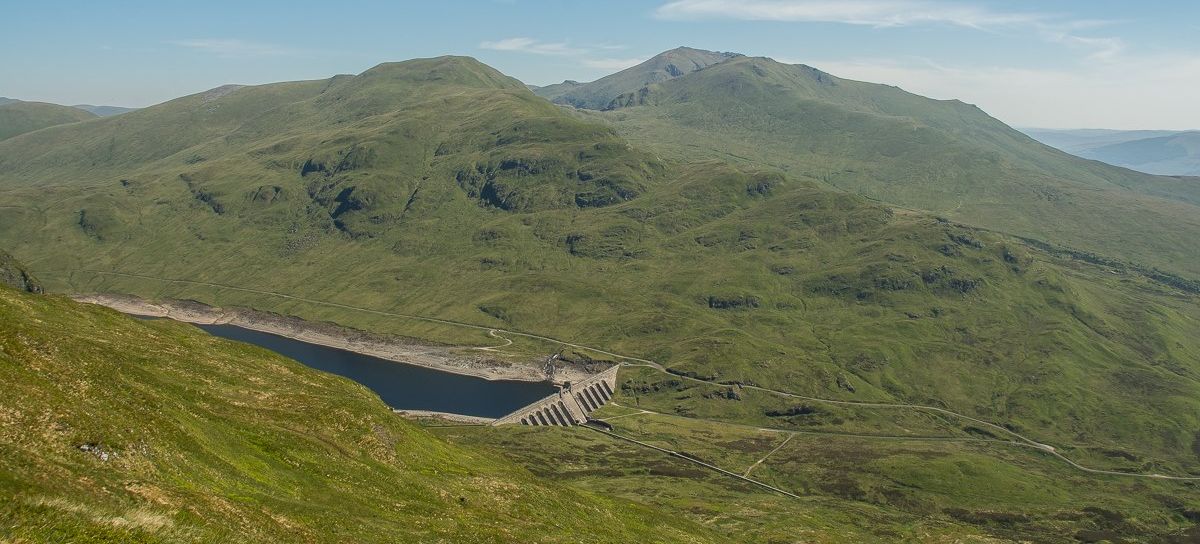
{"x":402,"y":386}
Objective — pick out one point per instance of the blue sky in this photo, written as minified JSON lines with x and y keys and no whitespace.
{"x":1081,"y":63}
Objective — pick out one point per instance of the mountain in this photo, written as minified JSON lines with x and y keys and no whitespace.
{"x":15,"y":275}
{"x":122,"y":430}
{"x":103,"y":111}
{"x":944,"y":157}
{"x":1074,"y":141}
{"x":443,"y":189}
{"x":600,"y":94}
{"x":1162,"y":152}
{"x":18,"y":117}
{"x":1174,"y":155}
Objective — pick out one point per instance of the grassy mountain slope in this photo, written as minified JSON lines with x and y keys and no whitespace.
{"x":1176,"y":154}
{"x":942,"y":156}
{"x":18,"y":117}
{"x":118,"y":430}
{"x":440,"y":187}
{"x":601,"y":93}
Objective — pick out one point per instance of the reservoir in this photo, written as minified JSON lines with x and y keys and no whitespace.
{"x":401,"y":386}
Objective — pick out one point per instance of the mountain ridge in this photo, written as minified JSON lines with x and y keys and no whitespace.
{"x":944,"y":157}
{"x":1175,"y":154}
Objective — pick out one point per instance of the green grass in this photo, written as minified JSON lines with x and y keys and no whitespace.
{"x":852,"y":489}
{"x":196,"y":439}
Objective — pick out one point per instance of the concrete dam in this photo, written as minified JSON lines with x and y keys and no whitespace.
{"x":571,"y":405}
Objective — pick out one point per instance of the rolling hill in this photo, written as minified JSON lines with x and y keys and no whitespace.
{"x":443,"y":188}
{"x":944,"y":157}
{"x":18,"y":117}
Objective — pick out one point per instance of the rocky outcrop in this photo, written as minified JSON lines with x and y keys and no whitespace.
{"x":15,"y":275}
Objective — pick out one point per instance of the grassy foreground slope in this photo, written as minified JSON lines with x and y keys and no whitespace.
{"x":113,"y":429}
{"x":18,"y":117}
{"x":440,"y":187}
{"x":945,"y":157}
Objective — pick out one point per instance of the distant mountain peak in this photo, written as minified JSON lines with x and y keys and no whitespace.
{"x":664,"y":66}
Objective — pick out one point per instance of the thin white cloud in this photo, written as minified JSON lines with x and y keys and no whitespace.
{"x":1089,"y":96}
{"x":900,"y":13}
{"x":1100,"y":48}
{"x":591,"y":56}
{"x":234,"y":48}
{"x":877,"y":13}
{"x":530,"y":45}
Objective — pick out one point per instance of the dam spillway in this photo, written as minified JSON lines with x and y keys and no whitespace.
{"x":571,"y":405}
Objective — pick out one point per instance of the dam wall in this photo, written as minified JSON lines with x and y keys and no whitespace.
{"x":571,"y":405}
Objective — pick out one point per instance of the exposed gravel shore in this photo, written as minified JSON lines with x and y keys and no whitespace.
{"x":392,"y":348}
{"x":445,"y":416}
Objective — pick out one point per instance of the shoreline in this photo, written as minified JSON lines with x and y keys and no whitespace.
{"x":444,"y":416}
{"x":440,"y":358}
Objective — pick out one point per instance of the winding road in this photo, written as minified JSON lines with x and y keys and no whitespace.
{"x":632,"y":361}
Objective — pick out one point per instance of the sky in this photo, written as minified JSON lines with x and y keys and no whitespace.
{"x":1055,"y":64}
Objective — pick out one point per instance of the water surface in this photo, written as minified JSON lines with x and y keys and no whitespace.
{"x":402,"y":386}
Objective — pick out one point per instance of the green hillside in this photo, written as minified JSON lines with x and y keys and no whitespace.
{"x":602,"y":93}
{"x":945,"y":157}
{"x":118,"y":430}
{"x":442,"y":188}
{"x":18,"y":117}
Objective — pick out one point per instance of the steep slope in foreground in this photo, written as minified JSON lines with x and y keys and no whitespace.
{"x":442,"y":188}
{"x":118,"y":430}
{"x":601,"y":93}
{"x":18,"y":117}
{"x":945,"y":157}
